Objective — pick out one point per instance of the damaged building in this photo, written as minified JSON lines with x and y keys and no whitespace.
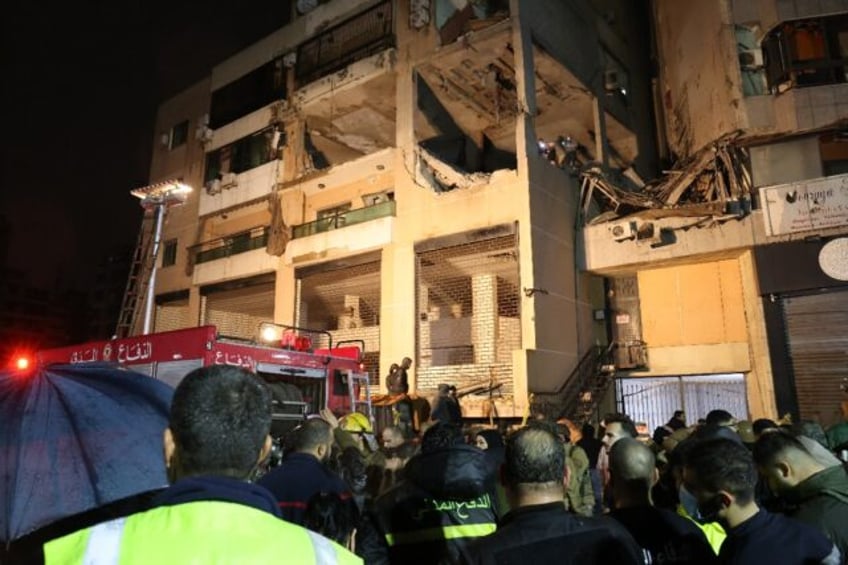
{"x":374,"y":169}
{"x":728,"y":276}
{"x":494,"y":188}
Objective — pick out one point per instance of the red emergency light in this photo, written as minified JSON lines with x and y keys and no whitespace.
{"x":22,"y":363}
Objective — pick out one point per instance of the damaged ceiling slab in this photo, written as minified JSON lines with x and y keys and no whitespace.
{"x":346,"y":123}
{"x":474,"y":80}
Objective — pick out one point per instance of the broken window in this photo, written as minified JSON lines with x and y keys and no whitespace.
{"x":750,"y":60}
{"x":806,"y":53}
{"x":833,"y":147}
{"x":254,"y":90}
{"x":457,"y":17}
{"x":242,"y":155}
{"x":362,"y":35}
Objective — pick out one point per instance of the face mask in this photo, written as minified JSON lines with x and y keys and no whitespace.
{"x":689,"y":502}
{"x":709,"y":510}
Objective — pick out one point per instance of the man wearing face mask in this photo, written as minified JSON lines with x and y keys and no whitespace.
{"x":720,"y":473}
{"x":812,"y":493}
{"x":216,"y":437}
{"x":303,"y":472}
{"x":667,"y":537}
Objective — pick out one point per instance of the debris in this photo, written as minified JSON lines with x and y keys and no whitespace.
{"x":710,"y":183}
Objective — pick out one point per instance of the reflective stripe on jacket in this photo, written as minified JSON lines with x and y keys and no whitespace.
{"x":196,"y":532}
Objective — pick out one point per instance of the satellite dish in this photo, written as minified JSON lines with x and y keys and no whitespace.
{"x":304,"y":6}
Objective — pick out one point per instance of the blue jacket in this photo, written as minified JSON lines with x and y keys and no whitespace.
{"x":776,"y":540}
{"x":296,"y":480}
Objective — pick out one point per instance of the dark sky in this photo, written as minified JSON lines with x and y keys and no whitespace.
{"x":80,"y":83}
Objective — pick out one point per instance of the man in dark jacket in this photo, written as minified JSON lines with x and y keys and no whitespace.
{"x":303,"y":472}
{"x":720,"y":474}
{"x":667,"y":537}
{"x":813,"y":493}
{"x":444,"y":502}
{"x":446,"y":407}
{"x":538,"y":529}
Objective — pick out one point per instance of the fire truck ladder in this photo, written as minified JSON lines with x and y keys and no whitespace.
{"x":136,"y":281}
{"x":357,"y":403}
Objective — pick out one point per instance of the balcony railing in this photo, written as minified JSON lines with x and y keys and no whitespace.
{"x":355,"y":38}
{"x":242,"y":242}
{"x":345,"y":219}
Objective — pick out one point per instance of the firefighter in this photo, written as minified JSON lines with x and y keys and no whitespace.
{"x":216,"y":438}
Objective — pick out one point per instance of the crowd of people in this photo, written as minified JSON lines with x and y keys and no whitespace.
{"x":719,"y":491}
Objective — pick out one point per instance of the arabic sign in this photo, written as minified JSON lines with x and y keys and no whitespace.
{"x":234,"y":359}
{"x":805,"y":205}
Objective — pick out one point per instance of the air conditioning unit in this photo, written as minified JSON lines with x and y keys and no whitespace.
{"x":751,"y":59}
{"x":623,"y":231}
{"x":290,"y":59}
{"x":229,"y":180}
{"x":213,"y":186}
{"x":165,"y":139}
{"x":203,"y":133}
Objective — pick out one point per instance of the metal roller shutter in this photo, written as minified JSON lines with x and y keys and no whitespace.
{"x":817,"y":340}
{"x":173,"y":315}
{"x":238,"y":312}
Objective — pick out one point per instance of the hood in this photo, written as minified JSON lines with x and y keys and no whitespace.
{"x":224,"y":489}
{"x":832,"y":481}
{"x":458,"y":472}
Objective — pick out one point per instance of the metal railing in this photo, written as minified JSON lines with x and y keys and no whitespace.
{"x":345,"y":219}
{"x":242,"y":242}
{"x":355,"y":38}
{"x":596,"y":364}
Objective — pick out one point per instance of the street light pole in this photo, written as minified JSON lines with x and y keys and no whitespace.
{"x":158,"y":197}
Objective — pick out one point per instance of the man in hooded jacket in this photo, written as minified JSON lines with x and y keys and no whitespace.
{"x":445,"y":502}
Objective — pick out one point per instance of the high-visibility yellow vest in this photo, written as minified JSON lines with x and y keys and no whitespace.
{"x":713,"y":531}
{"x":204,"y":532}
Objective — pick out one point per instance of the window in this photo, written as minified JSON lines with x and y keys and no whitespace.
{"x":254,"y":90}
{"x":169,"y":253}
{"x":333,"y":217}
{"x":806,"y":53}
{"x":241,"y":155}
{"x":179,"y":134}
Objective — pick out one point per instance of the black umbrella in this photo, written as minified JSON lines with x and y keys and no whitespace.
{"x":76,"y":437}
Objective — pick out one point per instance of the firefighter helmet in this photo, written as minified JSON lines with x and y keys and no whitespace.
{"x":356,"y":422}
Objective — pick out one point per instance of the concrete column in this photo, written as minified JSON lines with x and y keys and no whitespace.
{"x":424,"y":309}
{"x":397,"y":308}
{"x":759,"y":381}
{"x":484,"y":318}
{"x":284,"y":295}
{"x":350,"y":318}
{"x":294,"y":152}
{"x":194,"y":303}
{"x":526,"y":150}
{"x":601,"y":140}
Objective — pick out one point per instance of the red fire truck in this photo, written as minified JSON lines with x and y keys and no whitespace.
{"x":302,"y":380}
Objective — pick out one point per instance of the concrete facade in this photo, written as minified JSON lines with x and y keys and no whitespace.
{"x":707,"y":305}
{"x":425,"y":145}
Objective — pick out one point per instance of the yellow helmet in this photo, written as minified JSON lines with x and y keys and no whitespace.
{"x":356,"y":422}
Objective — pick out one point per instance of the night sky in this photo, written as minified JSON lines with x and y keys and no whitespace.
{"x":81,"y":82}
